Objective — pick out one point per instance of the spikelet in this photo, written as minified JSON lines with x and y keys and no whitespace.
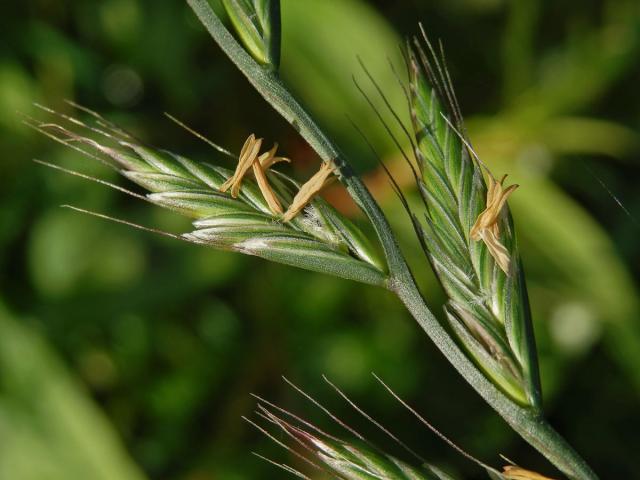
{"x":469,"y":236}
{"x":249,"y":220}
{"x":353,"y":459}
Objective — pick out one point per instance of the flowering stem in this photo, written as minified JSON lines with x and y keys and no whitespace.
{"x":529,"y":423}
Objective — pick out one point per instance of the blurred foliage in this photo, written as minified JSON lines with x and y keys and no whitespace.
{"x":113,"y":340}
{"x":46,"y":416}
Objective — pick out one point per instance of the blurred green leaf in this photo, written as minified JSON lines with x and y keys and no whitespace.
{"x":49,"y":427}
{"x":319,"y":59}
{"x":17,"y":94}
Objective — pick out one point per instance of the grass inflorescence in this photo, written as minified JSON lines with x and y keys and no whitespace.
{"x":248,"y":218}
{"x":356,"y":457}
{"x":467,"y":231}
{"x":468,"y":234}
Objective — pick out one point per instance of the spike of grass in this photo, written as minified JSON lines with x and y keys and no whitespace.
{"x":473,"y":252}
{"x":175,"y":173}
{"x":349,"y":460}
{"x":358,"y":458}
{"x":318,"y":239}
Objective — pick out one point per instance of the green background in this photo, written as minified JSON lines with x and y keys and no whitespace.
{"x":125,"y":355}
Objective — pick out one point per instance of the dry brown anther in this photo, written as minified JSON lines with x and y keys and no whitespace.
{"x":248,"y":156}
{"x":321,"y":179}
{"x":513,"y":472}
{"x":486,"y":227}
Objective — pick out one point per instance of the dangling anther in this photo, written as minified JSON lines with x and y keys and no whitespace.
{"x":321,"y":179}
{"x":248,"y":156}
{"x":486,"y":227}
{"x":260,"y":166}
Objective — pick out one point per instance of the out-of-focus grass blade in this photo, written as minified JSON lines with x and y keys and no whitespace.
{"x":319,"y":64}
{"x":49,"y":427}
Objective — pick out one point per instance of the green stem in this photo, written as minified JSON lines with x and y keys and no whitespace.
{"x":528,"y":423}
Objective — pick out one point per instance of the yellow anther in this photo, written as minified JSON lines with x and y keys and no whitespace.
{"x":248,"y":156}
{"x":486,"y":227}
{"x":268,"y":159}
{"x":311,"y":188}
{"x":512,"y":472}
{"x":267,"y":192}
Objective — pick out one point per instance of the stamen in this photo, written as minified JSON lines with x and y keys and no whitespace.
{"x":268,"y":159}
{"x":249,"y":159}
{"x":266,"y":190}
{"x":486,"y":227}
{"x":496,"y":249}
{"x":248,"y":155}
{"x":309,"y":190}
{"x":513,"y":472}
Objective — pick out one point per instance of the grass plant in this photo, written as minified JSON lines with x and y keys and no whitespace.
{"x":466,"y":228}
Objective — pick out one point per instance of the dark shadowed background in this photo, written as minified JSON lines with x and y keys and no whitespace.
{"x":125,"y":355}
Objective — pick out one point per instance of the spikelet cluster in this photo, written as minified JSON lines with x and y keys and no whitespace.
{"x":248,"y":218}
{"x":468,"y":234}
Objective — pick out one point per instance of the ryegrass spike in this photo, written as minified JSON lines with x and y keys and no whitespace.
{"x":468,"y":234}
{"x":251,"y":219}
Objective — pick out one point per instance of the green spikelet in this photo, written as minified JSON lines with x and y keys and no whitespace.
{"x":349,"y":460}
{"x":318,"y":239}
{"x":487,"y":308}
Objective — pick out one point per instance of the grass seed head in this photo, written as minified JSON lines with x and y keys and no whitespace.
{"x":487,"y":227}
{"x":468,"y":234}
{"x":349,"y":460}
{"x":248,"y":219}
